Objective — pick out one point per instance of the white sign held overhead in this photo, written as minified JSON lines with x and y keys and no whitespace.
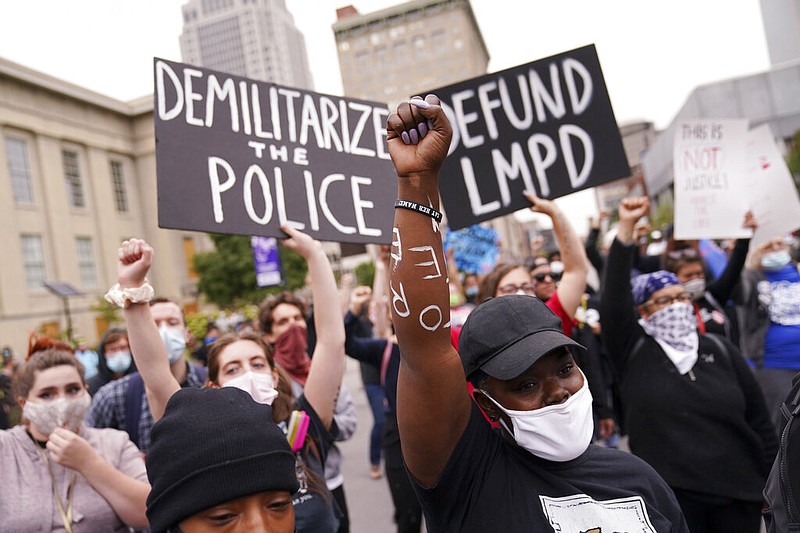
{"x":770,"y":188}
{"x":709,"y":169}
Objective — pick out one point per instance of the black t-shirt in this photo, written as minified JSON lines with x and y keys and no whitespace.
{"x":491,"y":485}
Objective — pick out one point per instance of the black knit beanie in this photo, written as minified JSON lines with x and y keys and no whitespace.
{"x":210,"y":447}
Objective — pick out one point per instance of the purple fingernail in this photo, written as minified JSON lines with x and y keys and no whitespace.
{"x":420,"y":103}
{"x":405,"y":137}
{"x":430,"y":124}
{"x":414,"y":136}
{"x":423,"y":130}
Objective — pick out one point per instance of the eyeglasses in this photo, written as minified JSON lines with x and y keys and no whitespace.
{"x":686,"y":253}
{"x":541,"y":276}
{"x":506,"y":290}
{"x":683,"y":297}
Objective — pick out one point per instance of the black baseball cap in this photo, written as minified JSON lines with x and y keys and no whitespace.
{"x":504,"y":336}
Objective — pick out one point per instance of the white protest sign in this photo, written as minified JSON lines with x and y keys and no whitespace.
{"x":771,"y":191}
{"x":709,"y":177}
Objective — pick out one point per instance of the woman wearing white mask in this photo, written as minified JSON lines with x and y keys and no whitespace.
{"x":539,"y":472}
{"x":770,"y":319}
{"x":692,"y":407}
{"x":245,"y":362}
{"x":58,"y":474}
{"x":114,"y":359}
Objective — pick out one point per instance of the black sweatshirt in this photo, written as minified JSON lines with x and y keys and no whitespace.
{"x":706,"y":431}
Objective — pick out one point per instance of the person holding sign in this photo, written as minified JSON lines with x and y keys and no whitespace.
{"x":245,"y":362}
{"x":770,"y":319}
{"x":709,"y":299}
{"x":692,"y":408}
{"x":539,"y":472}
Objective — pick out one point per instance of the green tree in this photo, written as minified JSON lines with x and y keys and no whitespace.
{"x":365,"y":273}
{"x":663,"y":215}
{"x":228,"y":276}
{"x":793,"y":160}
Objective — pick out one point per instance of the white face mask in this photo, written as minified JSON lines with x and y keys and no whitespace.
{"x":775,"y":261}
{"x":557,"y":432}
{"x":119,"y":362}
{"x":175,"y":341}
{"x":48,"y":415}
{"x":696,"y":287}
{"x":260,"y":386}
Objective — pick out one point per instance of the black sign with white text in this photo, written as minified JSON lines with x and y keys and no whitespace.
{"x":241,"y":156}
{"x":546,"y":126}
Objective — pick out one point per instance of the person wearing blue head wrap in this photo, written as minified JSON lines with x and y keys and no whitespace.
{"x":691,"y":405}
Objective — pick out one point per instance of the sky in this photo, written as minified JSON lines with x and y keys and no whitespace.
{"x":653,"y":53}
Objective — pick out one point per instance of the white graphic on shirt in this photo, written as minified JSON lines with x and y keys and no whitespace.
{"x":783,"y":299}
{"x":580,"y":514}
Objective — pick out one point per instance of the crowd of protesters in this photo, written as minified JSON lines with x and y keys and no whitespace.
{"x":498,"y":398}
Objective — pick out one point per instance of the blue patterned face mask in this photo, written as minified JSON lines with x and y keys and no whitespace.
{"x":175,"y":341}
{"x":776,"y":260}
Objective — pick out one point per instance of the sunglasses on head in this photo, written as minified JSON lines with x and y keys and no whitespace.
{"x":686,"y":253}
{"x":541,"y":276}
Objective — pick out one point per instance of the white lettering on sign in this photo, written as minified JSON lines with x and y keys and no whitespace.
{"x":543,"y":152}
{"x":475,"y":121}
{"x":312,"y":120}
{"x":222,"y":179}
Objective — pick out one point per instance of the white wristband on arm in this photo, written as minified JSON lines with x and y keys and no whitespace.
{"x":123,"y":297}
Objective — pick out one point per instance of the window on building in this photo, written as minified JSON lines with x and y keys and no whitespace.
{"x":20,"y":171}
{"x":118,"y":182}
{"x":86,"y":264}
{"x":33,"y":261}
{"x":189,"y":251}
{"x":72,"y":172}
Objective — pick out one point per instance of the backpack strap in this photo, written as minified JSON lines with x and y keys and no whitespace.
{"x":133,"y":406}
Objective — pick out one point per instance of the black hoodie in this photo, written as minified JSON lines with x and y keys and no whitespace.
{"x":104,"y":374}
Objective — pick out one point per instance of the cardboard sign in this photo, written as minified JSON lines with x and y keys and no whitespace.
{"x":475,"y":248}
{"x":709,"y":178}
{"x":241,"y":156}
{"x":267,"y":261}
{"x":772,"y":195}
{"x":547,"y":126}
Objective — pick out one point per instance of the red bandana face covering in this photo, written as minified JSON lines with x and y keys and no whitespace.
{"x":290,"y":353}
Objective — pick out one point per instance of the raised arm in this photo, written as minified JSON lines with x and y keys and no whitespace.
{"x":433,"y":404}
{"x":379,"y":304}
{"x":149,"y":352}
{"x":617,"y":314}
{"x":576,"y":264}
{"x":593,"y":253}
{"x":327,"y":364}
{"x":722,"y":287}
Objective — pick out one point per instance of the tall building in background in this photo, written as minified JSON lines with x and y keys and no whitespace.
{"x":389,"y":55}
{"x":252,"y":38}
{"x":392,"y":54}
{"x":782,"y":28}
